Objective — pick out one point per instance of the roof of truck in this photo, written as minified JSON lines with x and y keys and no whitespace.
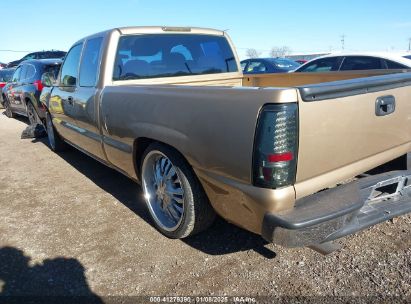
{"x":168,"y":29}
{"x":129,"y":30}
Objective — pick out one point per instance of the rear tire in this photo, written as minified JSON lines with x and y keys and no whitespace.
{"x":32,"y":114}
{"x":56,"y":143}
{"x":174,"y":196}
{"x":9,"y":112}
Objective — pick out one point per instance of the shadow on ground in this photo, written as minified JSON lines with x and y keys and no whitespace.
{"x":59,"y":277}
{"x":221,"y":238}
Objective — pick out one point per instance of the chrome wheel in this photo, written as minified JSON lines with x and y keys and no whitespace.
{"x":163,"y":190}
{"x":50,"y":132}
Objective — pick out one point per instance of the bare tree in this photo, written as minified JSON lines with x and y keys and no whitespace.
{"x":280,"y":51}
{"x":252,"y":53}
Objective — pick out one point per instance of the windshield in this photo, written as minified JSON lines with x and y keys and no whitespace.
{"x":408,"y":56}
{"x":5,"y":75}
{"x":284,"y":64}
{"x":168,"y":55}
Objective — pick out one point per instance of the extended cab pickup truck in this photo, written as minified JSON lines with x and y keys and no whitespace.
{"x":301,"y":165}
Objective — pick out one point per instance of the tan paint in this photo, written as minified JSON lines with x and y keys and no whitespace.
{"x":340,"y":138}
{"x":211,"y":118}
{"x":243,"y":204}
{"x":297,"y":79}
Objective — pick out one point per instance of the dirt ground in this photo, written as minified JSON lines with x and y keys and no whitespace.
{"x":71,"y":226}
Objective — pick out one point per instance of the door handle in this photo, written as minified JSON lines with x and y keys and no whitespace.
{"x":70,"y":100}
{"x":384,"y":105}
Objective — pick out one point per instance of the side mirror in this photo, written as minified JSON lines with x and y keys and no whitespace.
{"x":48,"y":80}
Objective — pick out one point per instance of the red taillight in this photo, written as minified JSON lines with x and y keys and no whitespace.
{"x":2,"y":84}
{"x":39,"y":85}
{"x":274,"y":158}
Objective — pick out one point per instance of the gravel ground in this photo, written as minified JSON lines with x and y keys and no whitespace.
{"x":71,"y":226}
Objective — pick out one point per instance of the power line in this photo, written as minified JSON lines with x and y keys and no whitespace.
{"x":15,"y":51}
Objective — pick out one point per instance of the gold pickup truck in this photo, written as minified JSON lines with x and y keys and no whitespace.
{"x":300,"y":159}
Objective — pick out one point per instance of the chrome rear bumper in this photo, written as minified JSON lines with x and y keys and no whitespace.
{"x":341,"y":211}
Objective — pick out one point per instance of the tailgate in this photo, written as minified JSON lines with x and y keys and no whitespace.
{"x":349,"y":127}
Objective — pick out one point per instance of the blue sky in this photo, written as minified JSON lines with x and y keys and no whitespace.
{"x":304,"y":26}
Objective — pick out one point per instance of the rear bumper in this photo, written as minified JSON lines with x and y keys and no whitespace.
{"x":341,"y":211}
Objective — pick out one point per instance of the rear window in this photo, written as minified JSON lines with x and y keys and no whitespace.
{"x":256,"y":67}
{"x":168,"y":55}
{"x":394,"y":65}
{"x":53,"y":69}
{"x":285,"y":64}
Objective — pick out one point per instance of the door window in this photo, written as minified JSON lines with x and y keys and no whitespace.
{"x":69,"y":70}
{"x":353,"y":63}
{"x":90,"y":62}
{"x":321,"y":65}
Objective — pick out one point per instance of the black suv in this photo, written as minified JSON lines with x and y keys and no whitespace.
{"x":21,"y":95}
{"x":38,"y":55}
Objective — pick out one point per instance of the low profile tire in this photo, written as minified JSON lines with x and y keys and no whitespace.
{"x":174,"y":196}
{"x":32,"y":114}
{"x":56,"y":143}
{"x":9,"y":112}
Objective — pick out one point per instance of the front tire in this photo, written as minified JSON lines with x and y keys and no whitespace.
{"x":56,"y":143}
{"x":174,"y":196}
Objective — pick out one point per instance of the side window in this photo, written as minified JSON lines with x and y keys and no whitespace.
{"x":321,"y":65}
{"x":256,"y":67}
{"x":28,"y":73}
{"x":23,"y":72}
{"x":90,"y":62}
{"x":361,"y":63}
{"x":69,"y":70}
{"x":16,"y":75}
{"x":395,"y":65}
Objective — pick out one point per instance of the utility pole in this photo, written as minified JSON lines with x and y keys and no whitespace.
{"x":409,"y":44}
{"x":342,"y":42}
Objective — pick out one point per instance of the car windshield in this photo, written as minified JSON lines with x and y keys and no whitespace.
{"x":168,"y":55}
{"x":284,"y":64}
{"x":5,"y":75}
{"x":407,"y":56}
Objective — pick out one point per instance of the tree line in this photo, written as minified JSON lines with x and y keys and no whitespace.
{"x":281,"y":51}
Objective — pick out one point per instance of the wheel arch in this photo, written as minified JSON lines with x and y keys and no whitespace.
{"x":142,"y":143}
